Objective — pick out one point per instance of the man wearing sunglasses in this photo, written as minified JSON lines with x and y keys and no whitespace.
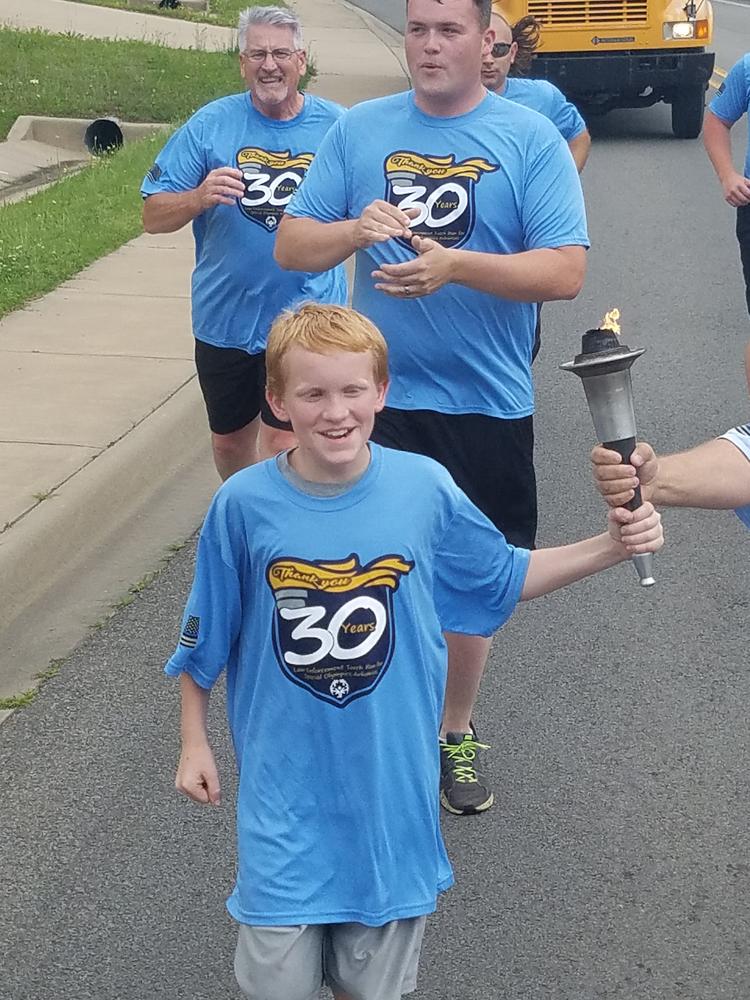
{"x":230,"y":171}
{"x":464,"y":210}
{"x":503,"y":72}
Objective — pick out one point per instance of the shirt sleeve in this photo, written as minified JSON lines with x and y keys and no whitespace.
{"x":181,"y":165}
{"x":213,"y":614}
{"x":323,"y":193}
{"x":565,"y":115}
{"x":552,"y":210}
{"x":731,"y":103}
{"x":740,"y":438}
{"x":479,"y":576}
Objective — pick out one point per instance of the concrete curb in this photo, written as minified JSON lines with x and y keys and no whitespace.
{"x":382,"y":30}
{"x":149,"y":489}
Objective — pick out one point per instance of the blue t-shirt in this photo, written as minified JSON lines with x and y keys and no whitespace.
{"x":740,"y":438}
{"x":327,"y":614}
{"x":499,"y":179}
{"x":733,"y":98}
{"x":238,"y":289}
{"x":544,"y":97}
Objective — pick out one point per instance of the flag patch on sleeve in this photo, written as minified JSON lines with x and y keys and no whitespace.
{"x":154,"y":173}
{"x":189,"y":636}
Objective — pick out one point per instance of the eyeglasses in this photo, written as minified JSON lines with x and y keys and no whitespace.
{"x":278,"y":55}
{"x":500,"y":49}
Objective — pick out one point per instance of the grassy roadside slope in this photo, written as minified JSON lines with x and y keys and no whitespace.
{"x":70,"y":76}
{"x":55,"y":233}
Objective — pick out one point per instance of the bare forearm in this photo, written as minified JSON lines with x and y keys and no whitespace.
{"x":718,"y":143}
{"x":309,"y":245}
{"x":551,"y":569}
{"x":531,"y":276}
{"x":579,"y":147}
{"x":195,"y":701}
{"x":168,"y":212}
{"x":715,"y":475}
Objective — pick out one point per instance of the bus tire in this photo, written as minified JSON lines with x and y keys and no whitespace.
{"x":688,"y":107}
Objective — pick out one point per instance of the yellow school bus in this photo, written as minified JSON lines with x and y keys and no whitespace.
{"x":606,"y":54}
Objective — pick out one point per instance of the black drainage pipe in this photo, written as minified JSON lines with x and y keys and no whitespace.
{"x":102,"y":136}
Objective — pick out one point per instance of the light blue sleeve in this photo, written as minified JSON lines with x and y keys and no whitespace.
{"x":552,"y":211}
{"x":181,"y":165}
{"x":323,"y":193}
{"x":213,"y":614}
{"x":740,"y":438}
{"x":478,"y":575}
{"x":564,"y":115}
{"x":733,"y":99}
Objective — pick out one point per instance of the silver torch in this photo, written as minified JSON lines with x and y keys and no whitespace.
{"x":604,"y":367}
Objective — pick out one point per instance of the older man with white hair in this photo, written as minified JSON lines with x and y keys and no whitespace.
{"x":230,"y":171}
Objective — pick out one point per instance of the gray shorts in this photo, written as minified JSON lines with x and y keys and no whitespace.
{"x":291,"y":963}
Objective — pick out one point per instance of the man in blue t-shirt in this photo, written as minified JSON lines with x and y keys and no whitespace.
{"x":510,"y":56}
{"x":324,"y":581}
{"x":230,"y":171}
{"x":464,"y":211}
{"x":729,"y":105}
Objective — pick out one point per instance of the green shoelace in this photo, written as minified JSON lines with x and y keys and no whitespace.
{"x":461,"y":755}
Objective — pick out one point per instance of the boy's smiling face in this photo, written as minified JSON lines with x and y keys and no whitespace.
{"x":331,"y":401}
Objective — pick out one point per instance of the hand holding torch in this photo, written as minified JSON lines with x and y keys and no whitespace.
{"x":604,"y":368}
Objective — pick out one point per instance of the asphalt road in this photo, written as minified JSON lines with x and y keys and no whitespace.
{"x":616,"y":863}
{"x":393,"y":12}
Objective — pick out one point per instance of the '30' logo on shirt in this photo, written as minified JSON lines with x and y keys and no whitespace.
{"x":441,"y":190}
{"x":333,"y":629}
{"x":270,"y":181}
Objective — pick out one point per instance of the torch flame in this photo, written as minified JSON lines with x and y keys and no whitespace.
{"x":610,"y":322}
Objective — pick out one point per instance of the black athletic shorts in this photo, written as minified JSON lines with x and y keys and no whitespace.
{"x":743,"y":238}
{"x":233,"y":384}
{"x":492,"y":460}
{"x":537,"y":333}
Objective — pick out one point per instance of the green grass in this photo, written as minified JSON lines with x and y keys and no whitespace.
{"x":18,"y":700}
{"x":55,"y":233}
{"x":73,"y":77}
{"x":26,"y":697}
{"x":219,"y":11}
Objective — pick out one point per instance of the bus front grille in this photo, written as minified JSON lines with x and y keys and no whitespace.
{"x":589,"y":13}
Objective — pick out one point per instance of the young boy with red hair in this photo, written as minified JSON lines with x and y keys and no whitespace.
{"x":325,"y":579}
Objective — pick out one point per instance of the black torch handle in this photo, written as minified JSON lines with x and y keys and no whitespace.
{"x":625,"y":448}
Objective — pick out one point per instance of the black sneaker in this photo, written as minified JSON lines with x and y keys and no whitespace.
{"x":463,"y":790}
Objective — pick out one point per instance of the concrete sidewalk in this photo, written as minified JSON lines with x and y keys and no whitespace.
{"x":63,"y":16}
{"x":103,"y":438}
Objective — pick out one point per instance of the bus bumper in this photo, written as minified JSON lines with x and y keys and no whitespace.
{"x":624,"y":79}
